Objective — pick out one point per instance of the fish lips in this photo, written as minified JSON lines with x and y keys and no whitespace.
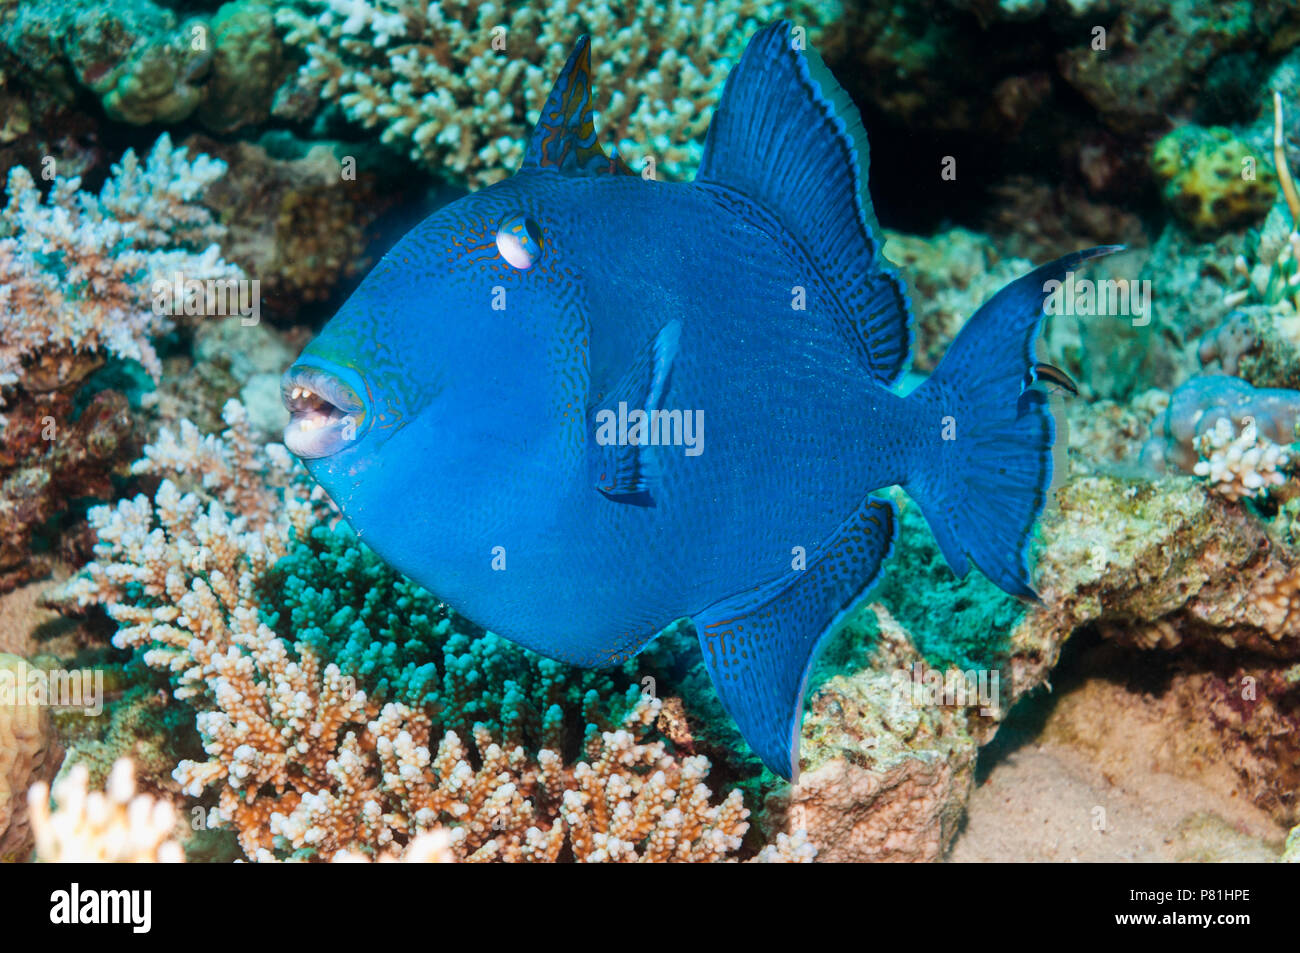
{"x":327,"y":413}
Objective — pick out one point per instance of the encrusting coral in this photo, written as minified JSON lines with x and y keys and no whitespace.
{"x":144,"y":62}
{"x":1240,"y":463}
{"x":885,"y":772}
{"x":297,"y":219}
{"x":335,"y":736}
{"x":458,"y":85}
{"x":27,"y":748}
{"x":1211,"y":180}
{"x":1223,"y":428}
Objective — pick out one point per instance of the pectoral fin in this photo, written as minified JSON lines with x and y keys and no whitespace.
{"x":623,"y":461}
{"x":759,"y":646}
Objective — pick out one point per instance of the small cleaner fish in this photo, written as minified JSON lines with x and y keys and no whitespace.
{"x":581,"y":405}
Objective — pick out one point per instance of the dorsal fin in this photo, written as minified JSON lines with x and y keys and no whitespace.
{"x":565,"y":137}
{"x":788,"y":137}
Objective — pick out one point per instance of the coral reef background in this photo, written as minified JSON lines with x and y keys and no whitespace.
{"x":274,"y":692}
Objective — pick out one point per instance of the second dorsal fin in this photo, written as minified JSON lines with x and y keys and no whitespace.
{"x":565,"y":137}
{"x":789,"y":138}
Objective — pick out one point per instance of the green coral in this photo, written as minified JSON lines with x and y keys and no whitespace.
{"x":1155,"y":55}
{"x":247,"y":66}
{"x":145,"y":63}
{"x":964,"y":622}
{"x":1212,"y":180}
{"x":402,"y":644}
{"x":151,"y":729}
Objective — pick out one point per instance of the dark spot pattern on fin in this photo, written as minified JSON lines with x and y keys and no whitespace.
{"x":787,"y":136}
{"x":983,"y":492}
{"x":565,"y":137}
{"x":759,"y":646}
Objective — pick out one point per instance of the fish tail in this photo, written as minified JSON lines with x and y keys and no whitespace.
{"x":984,"y":434}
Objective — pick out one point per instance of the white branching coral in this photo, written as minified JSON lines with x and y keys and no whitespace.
{"x":77,"y":270}
{"x":434,"y":848}
{"x":459,"y":85}
{"x":119,"y":825}
{"x":113,"y":826}
{"x":177,"y":572}
{"x":1241,"y":463}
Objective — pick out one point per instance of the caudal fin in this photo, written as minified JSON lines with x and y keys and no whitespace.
{"x":985,"y":457}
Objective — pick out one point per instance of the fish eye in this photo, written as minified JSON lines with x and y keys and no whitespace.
{"x":519,"y":240}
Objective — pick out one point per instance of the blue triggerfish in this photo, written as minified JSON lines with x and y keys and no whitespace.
{"x":581,"y":405}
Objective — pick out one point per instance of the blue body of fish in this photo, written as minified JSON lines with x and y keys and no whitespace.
{"x":581,"y":405}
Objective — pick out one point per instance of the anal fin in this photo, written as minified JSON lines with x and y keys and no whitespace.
{"x":759,"y":646}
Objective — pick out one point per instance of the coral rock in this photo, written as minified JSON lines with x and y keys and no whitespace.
{"x":1212,"y":181}
{"x":887,"y":781}
{"x":27,"y":756}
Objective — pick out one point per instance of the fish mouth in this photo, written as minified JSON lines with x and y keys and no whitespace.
{"x":326,"y":412}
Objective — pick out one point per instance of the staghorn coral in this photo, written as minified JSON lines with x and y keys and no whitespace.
{"x":432,"y":848}
{"x":306,"y":762}
{"x":458,"y":86}
{"x":630,"y":801}
{"x":113,"y":826}
{"x":77,"y":270}
{"x":119,"y":825}
{"x":76,"y":287}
